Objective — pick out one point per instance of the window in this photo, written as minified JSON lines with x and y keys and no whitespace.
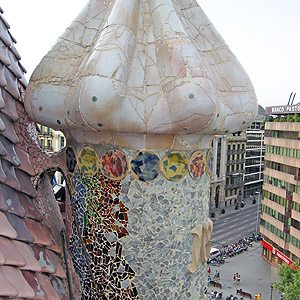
{"x":62,"y":142}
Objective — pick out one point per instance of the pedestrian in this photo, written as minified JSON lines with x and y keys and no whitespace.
{"x":218,"y":275}
{"x":208,"y":280}
{"x":208,"y":270}
{"x":234,"y":279}
{"x":238,"y":277}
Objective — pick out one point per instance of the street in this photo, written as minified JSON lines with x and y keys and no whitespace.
{"x":235,"y":225}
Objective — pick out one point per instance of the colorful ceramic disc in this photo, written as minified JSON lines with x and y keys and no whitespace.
{"x":197,"y":164}
{"x":114,"y":164}
{"x":145,"y":166}
{"x":71,"y":159}
{"x":209,"y":162}
{"x":175,"y":165}
{"x":88,"y":161}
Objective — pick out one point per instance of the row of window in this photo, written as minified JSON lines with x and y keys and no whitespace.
{"x":273,"y":213}
{"x":282,"y":184}
{"x":230,"y":158}
{"x":283,"y":151}
{"x":280,"y":200}
{"x":295,"y":224}
{"x":274,"y":230}
{"x":282,"y":168}
{"x":290,"y":135}
{"x":238,"y":146}
{"x":296,"y":206}
{"x":281,"y":234}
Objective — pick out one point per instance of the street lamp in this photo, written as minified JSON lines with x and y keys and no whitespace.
{"x":271,"y":291}
{"x":257,"y":196}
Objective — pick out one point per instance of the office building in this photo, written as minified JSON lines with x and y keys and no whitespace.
{"x":280,"y":218}
{"x":254,"y":156}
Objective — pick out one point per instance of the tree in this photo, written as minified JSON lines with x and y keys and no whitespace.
{"x":289,"y":285}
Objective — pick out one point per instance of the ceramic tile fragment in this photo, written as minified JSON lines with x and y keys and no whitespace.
{"x":30,"y":277}
{"x":47,"y":286}
{"x":12,"y":199}
{"x":6,"y":288}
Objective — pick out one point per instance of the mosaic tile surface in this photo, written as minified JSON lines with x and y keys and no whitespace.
{"x":88,"y":161}
{"x":145,"y":166}
{"x":101,"y":224}
{"x":197,"y":164}
{"x":114,"y":165}
{"x":136,"y":234}
{"x":175,"y":165}
{"x":209,"y":162}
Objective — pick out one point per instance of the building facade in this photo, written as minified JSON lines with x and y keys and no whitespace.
{"x":254,"y":156}
{"x":51,"y":140}
{"x":235,"y":166}
{"x":218,"y":177}
{"x":280,"y":218}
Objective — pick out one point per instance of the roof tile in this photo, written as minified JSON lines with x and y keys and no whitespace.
{"x":6,"y":229}
{"x":11,"y":178}
{"x":4,"y":35}
{"x":31,"y":210}
{"x":3,"y":81}
{"x":12,"y":84}
{"x":13,"y":201}
{"x":3,"y":177}
{"x":59,"y":269}
{"x":26,"y":185}
{"x":6,"y":288}
{"x":25,"y":165}
{"x":14,"y":66}
{"x":9,"y":107}
{"x":15,"y":277}
{"x":2,"y":124}
{"x":59,"y":287}
{"x":18,"y":224}
{"x":11,"y":153}
{"x":44,"y":260}
{"x":9,"y":131}
{"x":3,"y":151}
{"x":35,"y":285}
{"x":38,"y":232}
{"x":31,"y":263}
{"x":2,"y":102}
{"x":10,"y":253}
{"x":4,"y":54}
{"x":3,"y":205}
{"x":47,"y":286}
{"x":2,"y":259}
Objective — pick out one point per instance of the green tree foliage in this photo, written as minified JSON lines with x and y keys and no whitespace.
{"x":289,"y":285}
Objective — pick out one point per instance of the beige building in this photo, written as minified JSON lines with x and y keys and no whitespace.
{"x":235,"y":167}
{"x":280,"y":218}
{"x":51,"y":140}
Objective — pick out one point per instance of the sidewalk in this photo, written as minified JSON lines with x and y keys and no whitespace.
{"x":229,"y":210}
{"x":256,"y":274}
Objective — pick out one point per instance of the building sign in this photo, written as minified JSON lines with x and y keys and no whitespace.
{"x":283,"y":109}
{"x":279,"y":254}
